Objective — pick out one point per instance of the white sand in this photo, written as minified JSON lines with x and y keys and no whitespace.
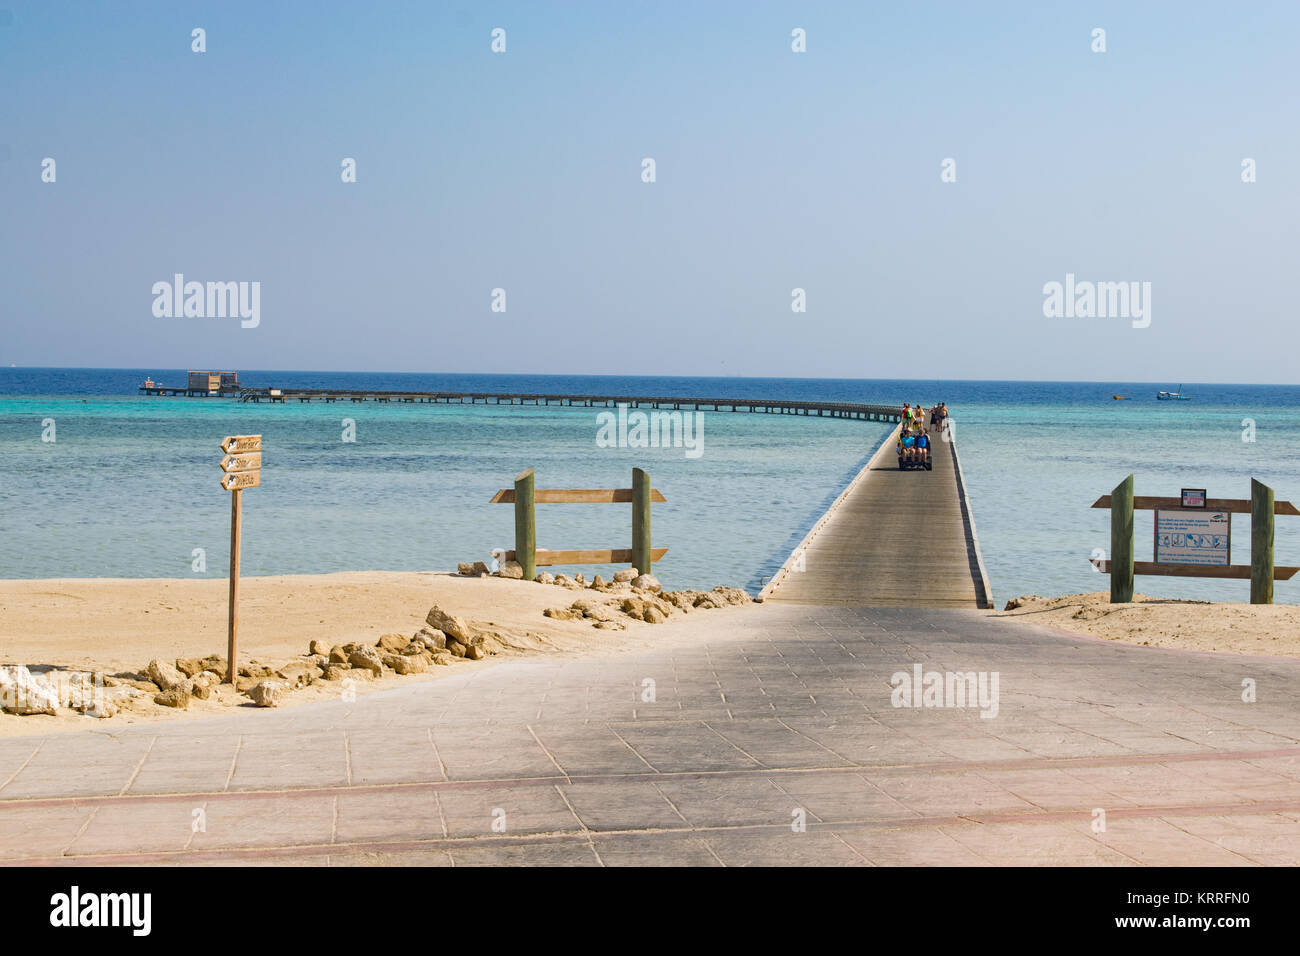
{"x":1272,"y":629}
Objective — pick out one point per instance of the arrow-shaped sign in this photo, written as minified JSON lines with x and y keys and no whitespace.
{"x":238,"y":481}
{"x":249,"y":462}
{"x":237,"y":444}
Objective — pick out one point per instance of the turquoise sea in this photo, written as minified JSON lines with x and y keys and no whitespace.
{"x":129,"y":485}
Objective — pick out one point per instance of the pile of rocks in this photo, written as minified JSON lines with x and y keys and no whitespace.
{"x":636,"y":596}
{"x":86,"y":692}
{"x":445,"y":640}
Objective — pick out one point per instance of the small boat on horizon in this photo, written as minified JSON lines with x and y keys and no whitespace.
{"x":1177,"y":396}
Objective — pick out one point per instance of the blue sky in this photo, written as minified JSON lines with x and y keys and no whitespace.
{"x":775,"y":171}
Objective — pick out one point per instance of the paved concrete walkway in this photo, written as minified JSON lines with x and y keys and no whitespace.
{"x":896,"y":539}
{"x":761,"y":720}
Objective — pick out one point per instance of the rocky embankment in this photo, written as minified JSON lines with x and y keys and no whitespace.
{"x":630,"y":595}
{"x":445,"y":640}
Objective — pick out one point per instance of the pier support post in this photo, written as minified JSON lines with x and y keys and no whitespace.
{"x":641,"y":521}
{"x":1261,"y":543}
{"x":525,"y":524}
{"x":1121,"y":542}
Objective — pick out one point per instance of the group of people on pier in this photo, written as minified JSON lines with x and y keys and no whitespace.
{"x":913,"y":438}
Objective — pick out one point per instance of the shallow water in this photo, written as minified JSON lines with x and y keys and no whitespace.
{"x":129,"y":488}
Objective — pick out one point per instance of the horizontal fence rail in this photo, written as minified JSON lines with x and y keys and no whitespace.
{"x":525,"y":496}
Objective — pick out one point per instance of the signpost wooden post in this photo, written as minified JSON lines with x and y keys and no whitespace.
{"x":1199,"y":529}
{"x":243,"y":469}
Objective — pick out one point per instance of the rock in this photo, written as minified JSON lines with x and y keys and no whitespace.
{"x":475,"y":652}
{"x":610,"y":626}
{"x":189,"y":666}
{"x":176,"y":697}
{"x":100,"y":709}
{"x":1013,"y":604}
{"x":367,"y":658}
{"x":215,"y":663}
{"x":299,"y":673}
{"x":336,"y":672}
{"x":597,"y":582}
{"x":415,"y":650}
{"x":562,"y":613}
{"x":320,"y":660}
{"x":201,"y":684}
{"x":731,"y":595}
{"x":511,"y":569}
{"x":545,"y":577}
{"x":579,"y":580}
{"x":433,"y":640}
{"x":582,"y":605}
{"x":464,"y":567}
{"x":625,"y":574}
{"x":267,"y":693}
{"x":442,"y":658}
{"x":473,"y":570}
{"x":402,"y":664}
{"x":23,"y":694}
{"x":634,"y":606}
{"x":564,"y":581}
{"x":682,"y":600}
{"x":455,"y":628}
{"x":255,"y":669}
{"x":148,"y":686}
{"x":653,"y":615}
{"x":244,"y":684}
{"x":599,"y":612}
{"x":338,"y":655}
{"x":393,"y":643}
{"x":163,"y":674}
{"x":457,"y":648}
{"x":361,"y":673}
{"x":646,"y":582}
{"x":318,"y":647}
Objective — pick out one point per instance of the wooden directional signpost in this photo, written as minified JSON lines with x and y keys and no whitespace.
{"x":1193,"y":538}
{"x":243,"y":469}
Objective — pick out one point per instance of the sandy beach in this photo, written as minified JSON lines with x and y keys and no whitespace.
{"x":118,"y":625}
{"x":1272,"y":629}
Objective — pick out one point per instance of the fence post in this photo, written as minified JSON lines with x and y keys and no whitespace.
{"x":1121,"y":542}
{"x":1261,"y":543}
{"x":640,"y":521}
{"x":525,"y":524}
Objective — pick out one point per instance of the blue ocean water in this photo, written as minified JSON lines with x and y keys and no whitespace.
{"x":129,"y":487}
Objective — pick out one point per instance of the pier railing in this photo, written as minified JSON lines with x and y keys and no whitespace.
{"x":524,"y":496}
{"x":771,"y":406}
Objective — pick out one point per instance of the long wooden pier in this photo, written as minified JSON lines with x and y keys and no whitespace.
{"x":854,"y":410}
{"x":892,"y":539}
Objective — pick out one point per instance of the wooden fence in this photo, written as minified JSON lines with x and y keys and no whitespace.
{"x":525,"y":498}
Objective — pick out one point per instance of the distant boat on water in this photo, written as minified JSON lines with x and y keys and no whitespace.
{"x":1177,"y":396}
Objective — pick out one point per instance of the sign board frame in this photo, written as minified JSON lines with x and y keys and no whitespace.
{"x":1193,"y":497}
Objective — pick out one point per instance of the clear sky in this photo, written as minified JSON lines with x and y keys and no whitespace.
{"x":775,"y":170}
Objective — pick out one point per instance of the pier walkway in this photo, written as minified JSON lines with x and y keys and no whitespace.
{"x":771,"y":406}
{"x":892,"y":539}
